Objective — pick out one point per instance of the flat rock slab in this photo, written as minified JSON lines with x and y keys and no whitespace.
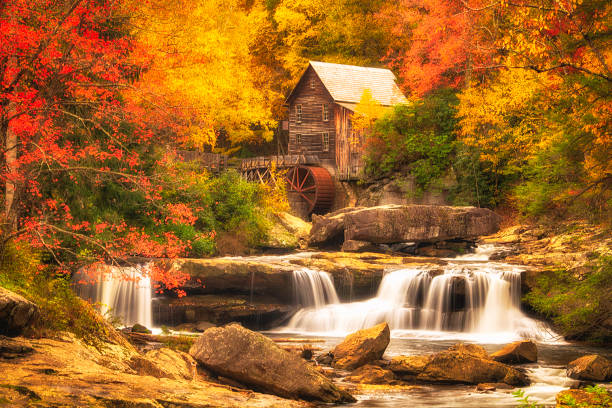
{"x":253,"y":359}
{"x":404,"y":223}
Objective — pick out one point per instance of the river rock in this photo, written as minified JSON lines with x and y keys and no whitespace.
{"x":469,"y":364}
{"x":253,"y":359}
{"x":404,"y":223}
{"x":362,"y":347}
{"x":139,"y":328}
{"x":582,"y":398}
{"x":486,"y":387}
{"x":371,"y":374}
{"x":409,"y":365}
{"x":16,"y":313}
{"x":518,"y":352}
{"x":590,"y":368}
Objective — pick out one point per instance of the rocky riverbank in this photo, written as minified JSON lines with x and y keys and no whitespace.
{"x":232,"y":366}
{"x":569,"y":276}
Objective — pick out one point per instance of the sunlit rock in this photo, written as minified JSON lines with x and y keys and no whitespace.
{"x":253,"y":359}
{"x":362,"y":347}
{"x":518,"y":352}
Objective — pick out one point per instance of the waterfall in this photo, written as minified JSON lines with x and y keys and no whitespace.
{"x":313,"y":288}
{"x":124,"y":292}
{"x":478,"y":298}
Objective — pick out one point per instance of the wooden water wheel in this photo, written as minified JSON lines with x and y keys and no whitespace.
{"x":313,"y":185}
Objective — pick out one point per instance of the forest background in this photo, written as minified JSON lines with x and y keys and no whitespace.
{"x":510,"y":99}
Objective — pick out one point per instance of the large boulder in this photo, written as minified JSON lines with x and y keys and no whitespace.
{"x":590,"y":368}
{"x":469,"y":365}
{"x":461,"y":363}
{"x":16,"y":313}
{"x":518,"y":352}
{"x":288,"y":232}
{"x":253,"y":359}
{"x":362,"y":347}
{"x":404,"y":223}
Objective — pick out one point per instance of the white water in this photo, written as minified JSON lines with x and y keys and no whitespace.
{"x":475,"y":301}
{"x":123,"y":292}
{"x":313,"y":288}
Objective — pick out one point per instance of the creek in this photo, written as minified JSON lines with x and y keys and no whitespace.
{"x":469,"y":299}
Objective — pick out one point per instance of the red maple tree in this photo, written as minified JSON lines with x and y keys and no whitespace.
{"x":64,"y":124}
{"x":442,"y":42}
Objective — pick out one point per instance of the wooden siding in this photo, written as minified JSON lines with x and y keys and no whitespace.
{"x":349,"y":146}
{"x":312,"y":125}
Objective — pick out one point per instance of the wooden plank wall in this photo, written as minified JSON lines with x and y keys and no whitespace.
{"x":349,"y":146}
{"x":312,"y":125}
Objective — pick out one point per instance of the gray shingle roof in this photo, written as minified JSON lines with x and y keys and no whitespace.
{"x":346,"y":83}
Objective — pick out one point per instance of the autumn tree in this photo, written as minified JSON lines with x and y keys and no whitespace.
{"x":200,"y":78}
{"x":442,"y":43}
{"x":76,"y":155}
{"x":545,"y":115}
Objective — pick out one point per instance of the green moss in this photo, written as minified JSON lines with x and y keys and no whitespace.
{"x":180,"y":343}
{"x":577,"y":304}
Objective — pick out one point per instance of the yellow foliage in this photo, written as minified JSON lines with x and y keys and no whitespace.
{"x":502,"y":119}
{"x":200,"y":67}
{"x":275,"y":192}
{"x":367,"y":111}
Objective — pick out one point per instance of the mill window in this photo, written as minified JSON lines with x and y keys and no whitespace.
{"x":298,"y":139}
{"x":325,"y":112}
{"x":325,"y":141}
{"x":298,"y":113}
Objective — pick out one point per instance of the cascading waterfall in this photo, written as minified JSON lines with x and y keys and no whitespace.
{"x":124,"y":292}
{"x":313,"y":288}
{"x":474,"y":298}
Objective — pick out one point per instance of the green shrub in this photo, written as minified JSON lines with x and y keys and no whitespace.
{"x":61,"y":309}
{"x":417,"y":137}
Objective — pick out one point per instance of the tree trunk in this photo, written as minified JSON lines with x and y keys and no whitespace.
{"x":10,"y":159}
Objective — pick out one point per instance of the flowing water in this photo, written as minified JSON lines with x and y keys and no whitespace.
{"x":123,"y":292}
{"x":473,"y":300}
{"x":313,"y":288}
{"x":547,"y":375}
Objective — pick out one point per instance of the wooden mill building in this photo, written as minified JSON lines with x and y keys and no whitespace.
{"x":320,"y":110}
{"x":323,"y":148}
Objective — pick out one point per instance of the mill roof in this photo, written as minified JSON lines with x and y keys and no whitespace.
{"x":346,"y":83}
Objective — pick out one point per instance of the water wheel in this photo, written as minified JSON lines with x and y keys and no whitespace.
{"x":313,"y":186}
